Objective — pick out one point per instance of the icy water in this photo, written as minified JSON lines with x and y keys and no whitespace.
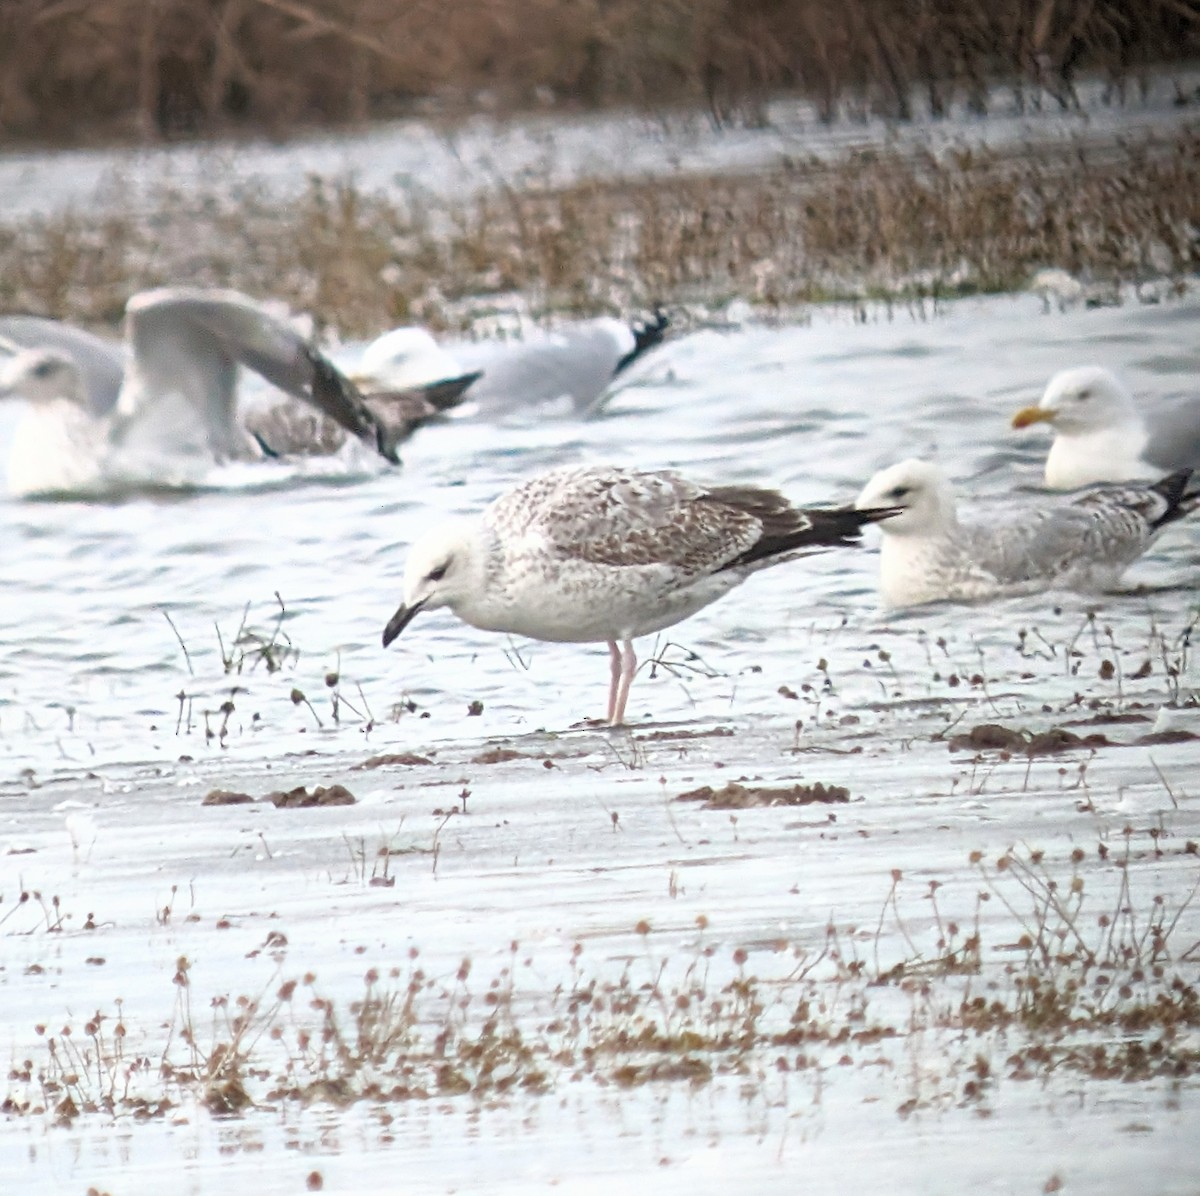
{"x":111,"y":734}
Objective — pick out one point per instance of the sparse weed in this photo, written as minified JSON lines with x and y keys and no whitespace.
{"x":880,"y":226}
{"x":1081,"y":968}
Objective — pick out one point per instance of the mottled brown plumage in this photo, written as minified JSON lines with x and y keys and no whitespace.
{"x":601,"y":553}
{"x":290,"y":429}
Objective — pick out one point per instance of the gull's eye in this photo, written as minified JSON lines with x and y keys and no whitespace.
{"x":899,"y":492}
{"x":43,"y":369}
{"x":1084,"y":394}
{"x":438,"y":573}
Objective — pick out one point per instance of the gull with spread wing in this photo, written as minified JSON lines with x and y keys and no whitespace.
{"x":93,"y":411}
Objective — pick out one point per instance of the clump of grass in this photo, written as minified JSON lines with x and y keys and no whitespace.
{"x":1081,"y":970}
{"x":246,"y":654}
{"x":879,"y":225}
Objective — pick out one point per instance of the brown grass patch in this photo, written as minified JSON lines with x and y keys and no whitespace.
{"x":879,"y":225}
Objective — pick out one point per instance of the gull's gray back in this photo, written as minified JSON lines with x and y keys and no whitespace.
{"x":1174,"y":441}
{"x":577,"y":363}
{"x":1094,"y":535}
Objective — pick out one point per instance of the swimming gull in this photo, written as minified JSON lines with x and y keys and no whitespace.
{"x":1081,"y":542}
{"x":576,"y":363}
{"x":178,"y":382}
{"x":1101,"y":436}
{"x":585,"y":554}
{"x":294,"y":429}
{"x":99,"y":362}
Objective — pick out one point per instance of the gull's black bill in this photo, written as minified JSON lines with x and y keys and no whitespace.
{"x":399,"y":621}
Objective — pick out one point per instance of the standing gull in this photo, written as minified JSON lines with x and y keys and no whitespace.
{"x":178,"y":384}
{"x":1101,"y":436}
{"x":589,"y":554}
{"x":1084,"y":542}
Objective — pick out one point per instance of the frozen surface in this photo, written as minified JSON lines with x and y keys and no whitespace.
{"x":103,"y":767}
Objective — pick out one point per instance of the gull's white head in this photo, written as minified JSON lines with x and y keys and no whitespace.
{"x":444,"y":568}
{"x":1080,"y":401}
{"x":41,"y":376}
{"x":403,"y":358}
{"x":922,"y":493}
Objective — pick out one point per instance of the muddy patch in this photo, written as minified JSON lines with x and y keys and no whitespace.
{"x":733,"y":796}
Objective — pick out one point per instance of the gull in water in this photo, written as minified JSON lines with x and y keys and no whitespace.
{"x":1101,"y":436}
{"x":589,"y":554}
{"x":92,"y":411}
{"x":576,"y":364}
{"x":1083,"y":542}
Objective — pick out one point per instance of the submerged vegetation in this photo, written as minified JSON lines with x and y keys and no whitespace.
{"x":880,"y":224}
{"x":1101,"y":981}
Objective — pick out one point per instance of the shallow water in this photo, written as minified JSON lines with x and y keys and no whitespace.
{"x":103,"y":764}
{"x":90,"y":666}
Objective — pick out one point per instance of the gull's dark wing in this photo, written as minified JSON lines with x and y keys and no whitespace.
{"x":622,"y":517}
{"x":290,"y":429}
{"x":207,"y":333}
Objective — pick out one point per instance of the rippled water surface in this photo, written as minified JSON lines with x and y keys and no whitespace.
{"x":110,"y":734}
{"x":90,"y":665}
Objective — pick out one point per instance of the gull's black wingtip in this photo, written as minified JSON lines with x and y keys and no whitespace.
{"x":646,"y":335}
{"x":1173,"y":490}
{"x":387,"y":442}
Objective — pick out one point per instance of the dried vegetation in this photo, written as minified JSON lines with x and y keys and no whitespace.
{"x":1100,"y":981}
{"x":78,"y":68}
{"x":879,"y":225}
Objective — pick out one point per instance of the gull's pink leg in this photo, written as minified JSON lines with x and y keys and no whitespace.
{"x":614,"y":656}
{"x":628,"y":668}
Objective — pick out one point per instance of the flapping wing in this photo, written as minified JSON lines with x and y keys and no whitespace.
{"x":210,"y":333}
{"x":101,"y":362}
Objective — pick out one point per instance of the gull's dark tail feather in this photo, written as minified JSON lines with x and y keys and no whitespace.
{"x":402,"y":412}
{"x":646,"y":334}
{"x":1180,"y":501}
{"x":833,"y":527}
{"x":449,"y":392}
{"x":787,"y":529}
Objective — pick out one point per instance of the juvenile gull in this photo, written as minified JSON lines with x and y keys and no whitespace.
{"x":1083,"y":542}
{"x":1101,"y":436}
{"x":177,"y":382}
{"x":586,"y":554}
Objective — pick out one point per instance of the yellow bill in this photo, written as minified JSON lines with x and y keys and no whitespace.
{"x":1032,"y":415}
